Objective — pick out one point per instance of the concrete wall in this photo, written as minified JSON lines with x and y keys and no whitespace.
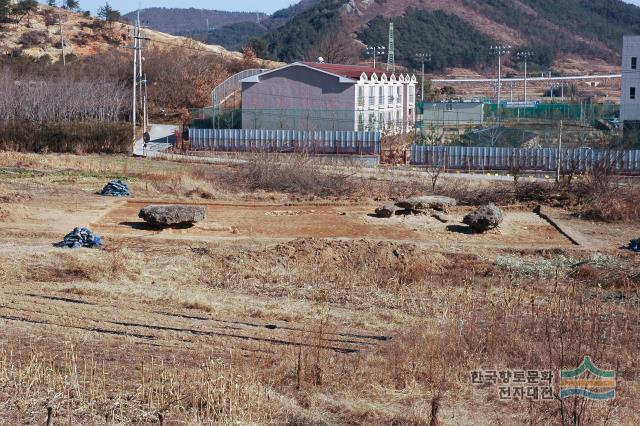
{"x":298,"y":98}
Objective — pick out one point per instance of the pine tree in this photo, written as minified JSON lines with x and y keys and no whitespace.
{"x":71,"y":4}
{"x":108,"y":13}
{"x":5,"y":10}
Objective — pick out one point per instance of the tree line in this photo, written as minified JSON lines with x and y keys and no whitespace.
{"x":10,"y":10}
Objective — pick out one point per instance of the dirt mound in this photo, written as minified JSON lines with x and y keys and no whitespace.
{"x":14,"y":197}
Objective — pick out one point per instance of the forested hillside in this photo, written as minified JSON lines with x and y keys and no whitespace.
{"x":182,"y":21}
{"x":459,"y":32}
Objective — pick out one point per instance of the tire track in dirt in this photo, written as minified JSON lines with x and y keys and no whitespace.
{"x":252,"y":332}
{"x":279,"y":327}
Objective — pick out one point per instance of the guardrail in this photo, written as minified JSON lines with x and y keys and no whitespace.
{"x":576,"y":160}
{"x":311,"y":142}
{"x":225,"y":89}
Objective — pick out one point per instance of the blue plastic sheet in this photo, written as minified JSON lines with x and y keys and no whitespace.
{"x":634,"y":245}
{"x":116,"y":188}
{"x":80,"y":237}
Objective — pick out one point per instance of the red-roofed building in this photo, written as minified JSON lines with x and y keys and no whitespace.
{"x":318,"y":96}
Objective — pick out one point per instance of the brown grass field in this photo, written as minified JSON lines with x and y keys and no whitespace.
{"x":292,"y":305}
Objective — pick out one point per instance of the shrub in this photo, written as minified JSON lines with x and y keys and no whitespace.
{"x":77,"y":137}
{"x":295,"y":174}
{"x":33,"y":39}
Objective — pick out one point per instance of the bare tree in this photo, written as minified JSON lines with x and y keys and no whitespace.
{"x":60,"y":99}
{"x":336,"y":46}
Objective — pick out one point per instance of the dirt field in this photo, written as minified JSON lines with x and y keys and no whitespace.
{"x":286,"y":309}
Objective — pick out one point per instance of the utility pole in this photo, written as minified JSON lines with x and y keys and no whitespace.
{"x":141,"y":81}
{"x":138,"y":81}
{"x":134,"y":109}
{"x":375,"y":51}
{"x":500,"y":51}
{"x":525,"y":55}
{"x":423,"y":57}
{"x":559,"y":154}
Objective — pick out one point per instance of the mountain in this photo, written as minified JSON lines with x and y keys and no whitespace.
{"x":458,"y":33}
{"x":184,"y":21}
{"x":228,"y":29}
{"x":37,"y":35}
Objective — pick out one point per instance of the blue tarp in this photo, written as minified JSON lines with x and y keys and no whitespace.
{"x":80,"y":237}
{"x":634,"y":245}
{"x":116,"y":188}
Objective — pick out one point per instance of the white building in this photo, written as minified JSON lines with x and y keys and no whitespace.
{"x":386,"y":102}
{"x":630,"y":96}
{"x":319,"y":96}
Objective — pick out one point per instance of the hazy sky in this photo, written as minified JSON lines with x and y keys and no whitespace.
{"x":125,"y":6}
{"x":268,"y":6}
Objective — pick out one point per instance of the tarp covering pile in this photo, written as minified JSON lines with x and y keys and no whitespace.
{"x":116,"y":188}
{"x":80,"y":237}
{"x":634,"y":245}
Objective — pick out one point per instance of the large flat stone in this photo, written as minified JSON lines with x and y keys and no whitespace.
{"x":428,"y":202}
{"x":172,"y":215}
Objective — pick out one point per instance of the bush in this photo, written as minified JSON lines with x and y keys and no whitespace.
{"x":76,"y":137}
{"x":34,"y":39}
{"x":296,"y":174}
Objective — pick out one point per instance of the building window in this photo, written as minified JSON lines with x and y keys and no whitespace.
{"x":634,"y":63}
{"x":381,"y":96}
{"x":361,"y":122}
{"x":632,"y":93}
{"x":449,"y":107}
{"x":371,"y":94}
{"x":412,"y":95}
{"x":361,"y":96}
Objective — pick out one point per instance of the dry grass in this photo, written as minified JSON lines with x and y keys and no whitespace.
{"x":447,"y":312}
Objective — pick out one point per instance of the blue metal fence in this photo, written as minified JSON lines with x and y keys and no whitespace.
{"x":577,"y":160}
{"x":314,"y":142}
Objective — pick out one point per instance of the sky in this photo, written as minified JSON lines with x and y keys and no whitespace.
{"x":124,"y":6}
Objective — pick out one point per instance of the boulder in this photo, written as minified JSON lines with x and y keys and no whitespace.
{"x":173,"y":215}
{"x":429,"y":202}
{"x":484,"y":218}
{"x":388,"y":210}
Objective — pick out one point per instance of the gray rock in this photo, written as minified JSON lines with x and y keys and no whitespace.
{"x":484,"y":218}
{"x":441,"y":217}
{"x":388,"y":210}
{"x":429,"y":202}
{"x":173,"y":215}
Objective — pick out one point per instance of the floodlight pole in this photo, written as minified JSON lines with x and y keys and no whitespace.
{"x":500,"y":51}
{"x":525,"y":55}
{"x":424,"y":57}
{"x":375,"y":51}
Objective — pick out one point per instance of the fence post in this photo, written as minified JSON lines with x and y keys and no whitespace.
{"x":49,"y":416}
